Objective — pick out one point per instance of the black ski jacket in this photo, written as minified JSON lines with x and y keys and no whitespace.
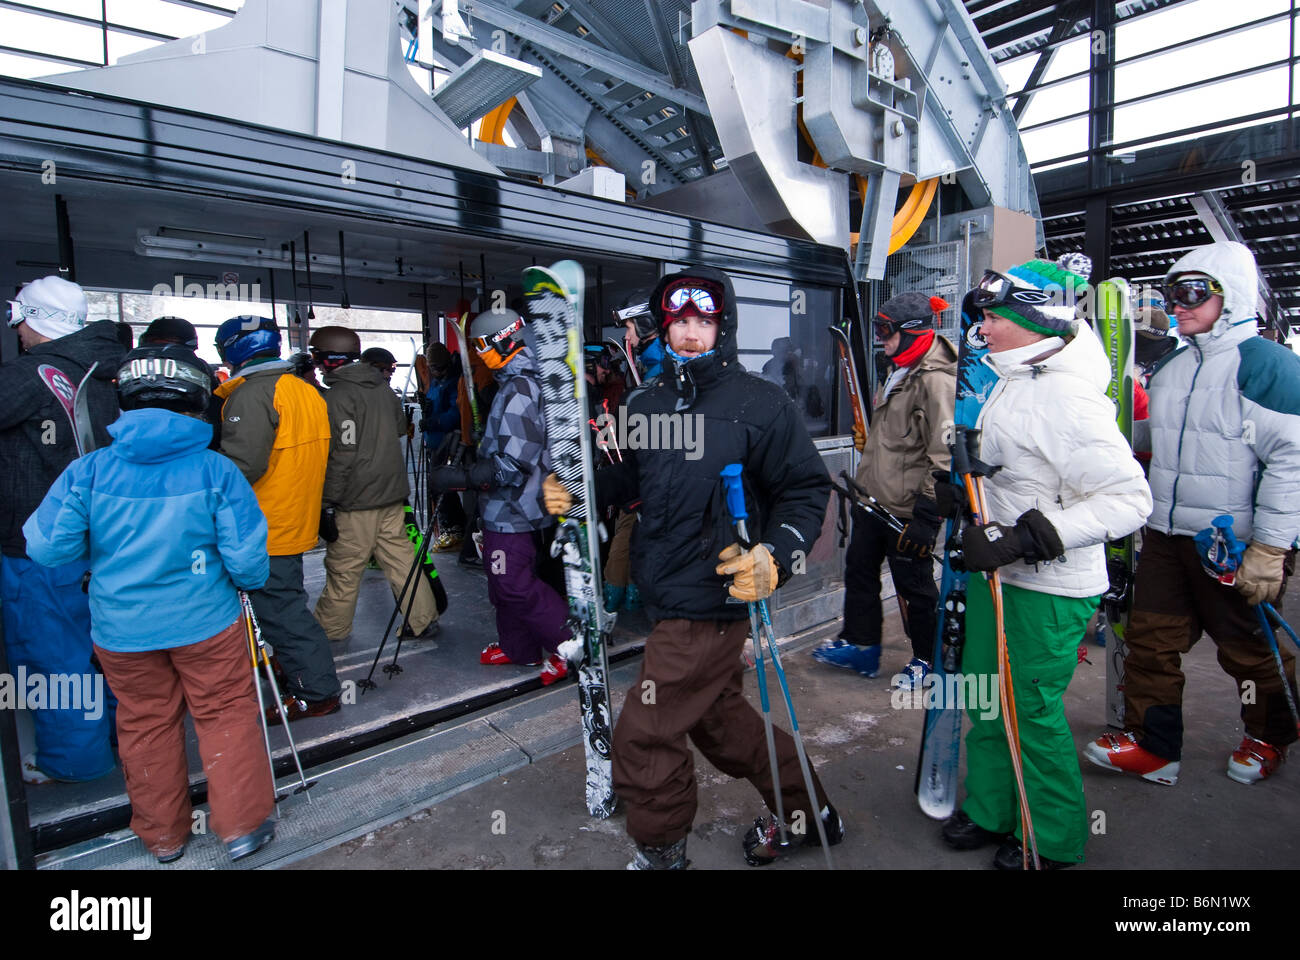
{"x":36,"y":437}
{"x":735,"y":417}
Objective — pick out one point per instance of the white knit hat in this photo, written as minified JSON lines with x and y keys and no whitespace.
{"x":52,"y":306}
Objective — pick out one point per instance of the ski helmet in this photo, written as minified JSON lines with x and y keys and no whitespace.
{"x":498,"y":336}
{"x":240,"y":339}
{"x":332,"y":347}
{"x":637,"y":309}
{"x":171,"y":330}
{"x":164,"y":375}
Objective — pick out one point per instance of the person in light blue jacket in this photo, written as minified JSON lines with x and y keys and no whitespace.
{"x":170,"y":531}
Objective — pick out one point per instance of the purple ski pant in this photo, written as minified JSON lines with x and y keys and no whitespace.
{"x":532,"y":618}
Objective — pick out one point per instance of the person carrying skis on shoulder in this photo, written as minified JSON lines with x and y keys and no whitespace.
{"x":47,"y":627}
{"x":366,"y":487}
{"x":276,"y":428}
{"x":140,"y":512}
{"x":906,"y":444}
{"x":1225,"y":439}
{"x":532,"y":615}
{"x":684,"y":553}
{"x":1065,"y":483}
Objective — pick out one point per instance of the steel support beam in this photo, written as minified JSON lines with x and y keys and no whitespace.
{"x":655,"y":13}
{"x":1101,"y":133}
{"x":567,"y":45}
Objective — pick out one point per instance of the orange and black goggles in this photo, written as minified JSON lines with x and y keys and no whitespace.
{"x":502,"y":342}
{"x":690,"y":294}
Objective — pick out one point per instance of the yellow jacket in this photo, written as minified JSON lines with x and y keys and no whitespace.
{"x":276,"y":429}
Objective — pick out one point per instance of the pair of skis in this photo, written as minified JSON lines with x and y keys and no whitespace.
{"x":555,"y":299}
{"x":1114,"y":324}
{"x":938,"y":763}
{"x":75,"y":401}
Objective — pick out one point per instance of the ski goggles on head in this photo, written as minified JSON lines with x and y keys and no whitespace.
{"x":632,"y":312}
{"x":1191,"y":292}
{"x":703,"y":297}
{"x":997,"y":289}
{"x":18,"y":312}
{"x":500,"y":342}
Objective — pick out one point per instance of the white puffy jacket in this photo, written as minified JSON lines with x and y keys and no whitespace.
{"x":1225,"y":417}
{"x":1050,"y":427}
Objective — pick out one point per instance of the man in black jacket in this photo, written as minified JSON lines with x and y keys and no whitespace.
{"x":692,"y":678}
{"x":46,"y":614}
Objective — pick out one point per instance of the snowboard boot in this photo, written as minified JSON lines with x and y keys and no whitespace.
{"x":962,"y":833}
{"x":762,"y":843}
{"x":913,"y":675}
{"x":1254,"y":760}
{"x":671,"y":856}
{"x":1121,"y":751}
{"x":1010,"y":856}
{"x":841,"y":653}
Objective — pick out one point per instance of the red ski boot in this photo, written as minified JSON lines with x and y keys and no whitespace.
{"x":555,"y":668}
{"x":1254,"y":760}
{"x":1121,"y":751}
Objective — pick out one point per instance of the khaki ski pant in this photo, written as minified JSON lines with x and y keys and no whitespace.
{"x":617,"y":566}
{"x":381,"y":532}
{"x":696,"y":691}
{"x":1174,"y":601}
{"x":213,"y":680}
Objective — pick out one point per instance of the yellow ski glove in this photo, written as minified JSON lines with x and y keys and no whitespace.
{"x":753,"y":572}
{"x":1259,"y":578}
{"x":859,"y":439}
{"x":557,"y":500}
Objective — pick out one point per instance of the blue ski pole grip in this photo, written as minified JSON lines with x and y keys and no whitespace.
{"x":735,"y":491}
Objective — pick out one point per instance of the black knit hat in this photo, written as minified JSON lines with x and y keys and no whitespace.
{"x":171,"y":330}
{"x":911,"y":312}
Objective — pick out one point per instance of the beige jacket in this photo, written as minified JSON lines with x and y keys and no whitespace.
{"x":910,"y":430}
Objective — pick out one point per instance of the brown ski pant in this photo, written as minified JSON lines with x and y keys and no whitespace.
{"x":691,"y":685}
{"x":213,"y":679}
{"x":1174,"y":601}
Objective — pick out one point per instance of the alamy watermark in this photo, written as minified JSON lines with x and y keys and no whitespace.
{"x":246,"y":292}
{"x":653,"y":431}
{"x":963,"y":691}
{"x":54,"y":691}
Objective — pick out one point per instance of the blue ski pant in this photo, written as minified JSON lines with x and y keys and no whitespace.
{"x":47,"y":632}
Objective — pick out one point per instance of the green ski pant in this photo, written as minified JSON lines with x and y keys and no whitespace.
{"x":1043,"y":633}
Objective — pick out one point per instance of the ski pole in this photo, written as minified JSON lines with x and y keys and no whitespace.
{"x":972,"y":473}
{"x":1277,"y":618}
{"x":257,"y":651}
{"x":738,"y":516}
{"x":1271,"y":636}
{"x":735,"y":494}
{"x":368,"y":683}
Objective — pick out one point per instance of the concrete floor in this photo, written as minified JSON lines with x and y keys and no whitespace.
{"x":866,"y":751}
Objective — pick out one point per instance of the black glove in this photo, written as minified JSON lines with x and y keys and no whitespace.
{"x":478,"y":477}
{"x":329,"y":527}
{"x":992,"y":545}
{"x":950,"y":498}
{"x":918,"y":534}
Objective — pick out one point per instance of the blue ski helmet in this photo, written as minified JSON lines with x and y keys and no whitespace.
{"x":240,"y":339}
